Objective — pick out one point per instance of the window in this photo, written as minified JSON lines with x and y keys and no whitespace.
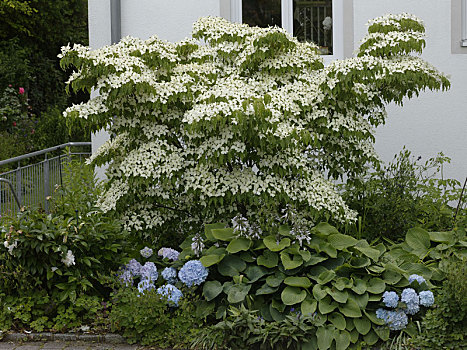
{"x":317,"y":21}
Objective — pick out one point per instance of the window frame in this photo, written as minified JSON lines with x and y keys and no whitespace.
{"x":287,"y":23}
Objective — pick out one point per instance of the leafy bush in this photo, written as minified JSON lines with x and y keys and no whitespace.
{"x":402,"y":195}
{"x":148,"y":318}
{"x":241,"y":120}
{"x":445,"y":327}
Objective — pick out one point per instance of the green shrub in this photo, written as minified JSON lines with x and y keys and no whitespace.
{"x":149,"y":320}
{"x":402,"y":195}
{"x":445,"y":327}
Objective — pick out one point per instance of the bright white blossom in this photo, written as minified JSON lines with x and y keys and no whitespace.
{"x":68,"y":258}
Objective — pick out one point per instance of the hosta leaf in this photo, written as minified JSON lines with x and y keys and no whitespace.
{"x":337,"y":320}
{"x":382,"y":332}
{"x":276,"y":279}
{"x":391,"y":277}
{"x":268,"y":259}
{"x":293,"y":295}
{"x":368,"y":251}
{"x":315,"y":259}
{"x":328,"y":249}
{"x":326,"y":276}
{"x":340,"y":241}
{"x":339,"y":296}
{"x":418,"y":239}
{"x":359,"y":286}
{"x":376,"y":286}
{"x":210,"y":260}
{"x":291,"y":263}
{"x":305,"y":254}
{"x":342,"y":282}
{"x":266,"y":289}
{"x":212,"y":289}
{"x":308,"y":306}
{"x":275,"y":314}
{"x":325,"y":337}
{"x":254,"y":273}
{"x":325,"y":229}
{"x":231,"y":266}
{"x":237,"y":293}
{"x":293,"y":281}
{"x":372,"y":317}
{"x":351,"y":308}
{"x":442,"y":237}
{"x":319,"y":292}
{"x":223,"y":234}
{"x":238,"y":244}
{"x":273,"y":244}
{"x":362,"y":300}
{"x":362,"y":324}
{"x":371,"y":338}
{"x":326,"y":305}
{"x":342,"y":340}
{"x":209,"y":227}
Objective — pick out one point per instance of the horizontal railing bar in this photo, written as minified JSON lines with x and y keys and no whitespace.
{"x":44,"y":151}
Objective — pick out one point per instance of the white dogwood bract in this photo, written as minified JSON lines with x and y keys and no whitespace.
{"x":239,"y":118}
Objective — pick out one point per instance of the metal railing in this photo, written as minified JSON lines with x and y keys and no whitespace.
{"x":31,"y":184}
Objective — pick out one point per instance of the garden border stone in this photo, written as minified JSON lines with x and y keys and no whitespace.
{"x":66,"y":337}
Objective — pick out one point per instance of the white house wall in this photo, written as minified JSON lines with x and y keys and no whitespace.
{"x":435,"y":121}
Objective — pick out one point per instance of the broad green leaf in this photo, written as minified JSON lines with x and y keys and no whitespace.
{"x":362,"y":300}
{"x":372,"y":317}
{"x":359,"y":286}
{"x":308,"y":306}
{"x":340,"y":241}
{"x":231,"y":266}
{"x":325,"y":229}
{"x":237,"y":293}
{"x":442,"y":237}
{"x":342,"y":340}
{"x":212,"y":289}
{"x":376,"y":286}
{"x":382,"y":332}
{"x":268,"y":259}
{"x":275,"y":314}
{"x":305,"y":254}
{"x":391,"y":277}
{"x":351,"y":308}
{"x":210,"y":260}
{"x":204,"y":308}
{"x":371,"y":338}
{"x":293,"y":295}
{"x":278,"y":305}
{"x":326,"y":305}
{"x":315,"y":259}
{"x":209,"y":227}
{"x":360,"y":262}
{"x":223,"y":234}
{"x":328,"y":249}
{"x":416,"y":268}
{"x":342,"y":282}
{"x":418,"y":239}
{"x":254,"y":273}
{"x":326,"y":276}
{"x":266,"y":289}
{"x":362,"y":324}
{"x":337,"y":320}
{"x":368,"y":251}
{"x":325,"y":337}
{"x":276,"y":279}
{"x":319,"y":292}
{"x":238,"y":244}
{"x":337,"y":295}
{"x":293,"y":281}
{"x":291,"y":263}
{"x":273,"y":244}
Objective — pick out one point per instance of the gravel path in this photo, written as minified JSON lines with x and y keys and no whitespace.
{"x":63,"y":345}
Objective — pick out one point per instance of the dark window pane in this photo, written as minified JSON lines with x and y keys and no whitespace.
{"x":262,"y":13}
{"x":312,"y":21}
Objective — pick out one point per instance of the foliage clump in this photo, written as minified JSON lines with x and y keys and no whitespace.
{"x":240,"y":120}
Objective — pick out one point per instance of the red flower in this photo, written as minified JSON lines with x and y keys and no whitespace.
{"x":21,"y":90}
{"x":14,"y":123}
{"x":33,"y":131}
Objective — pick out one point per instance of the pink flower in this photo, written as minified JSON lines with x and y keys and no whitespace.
{"x":14,"y":123}
{"x":9,"y":85}
{"x":21,"y":90}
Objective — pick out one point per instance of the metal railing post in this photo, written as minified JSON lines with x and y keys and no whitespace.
{"x":46,"y":184}
{"x":19,"y":182}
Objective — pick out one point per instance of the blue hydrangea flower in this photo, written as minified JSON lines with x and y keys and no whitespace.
{"x":382,"y":314}
{"x":417,"y":278}
{"x":193,"y":273}
{"x":427,"y":298}
{"x":396,"y":320}
{"x":149,"y":271}
{"x":134,"y":267}
{"x":172,"y":293}
{"x":144,"y":285}
{"x":126,"y":277}
{"x":410,"y":297}
{"x":391,"y":299}
{"x":169,"y":274}
{"x":169,"y":253}
{"x":146,"y":252}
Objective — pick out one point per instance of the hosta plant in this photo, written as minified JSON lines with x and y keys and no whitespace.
{"x":237,"y":119}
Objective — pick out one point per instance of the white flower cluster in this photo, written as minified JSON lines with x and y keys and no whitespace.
{"x":240,"y":116}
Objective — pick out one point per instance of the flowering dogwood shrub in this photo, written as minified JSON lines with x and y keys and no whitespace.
{"x":238,"y":118}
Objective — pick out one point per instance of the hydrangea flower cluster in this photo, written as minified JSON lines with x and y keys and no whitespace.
{"x":417,"y":278}
{"x":146,"y":252}
{"x":391,"y":299}
{"x":149,"y":271}
{"x":172,"y":293}
{"x":145,"y":285}
{"x":240,"y":115}
{"x":169,"y":253}
{"x":193,"y":273}
{"x":396,"y":320}
{"x":170,"y":275}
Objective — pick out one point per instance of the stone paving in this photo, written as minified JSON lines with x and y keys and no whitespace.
{"x":62,"y":345}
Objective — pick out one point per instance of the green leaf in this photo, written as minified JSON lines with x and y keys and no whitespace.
{"x":319,"y":292}
{"x":212,"y":289}
{"x":231,"y":266}
{"x":442,"y":237}
{"x":276,"y":280}
{"x":210,"y":260}
{"x":351,"y":308}
{"x":326,"y":276}
{"x":337,"y":320}
{"x":237,"y":293}
{"x":293,"y":295}
{"x":362,"y":324}
{"x":339,"y":296}
{"x":209,"y":227}
{"x":342,"y":282}
{"x":315,"y":259}
{"x":365,"y":249}
{"x":370,"y":338}
{"x":274,"y":245}
{"x":372,"y":317}
{"x":291,"y":263}
{"x":325,"y":229}
{"x":308,"y":306}
{"x":325,"y":337}
{"x":342,"y":340}
{"x":268,"y":259}
{"x":266,"y":289}
{"x":382,"y":332}
{"x":418,"y":239}
{"x":238,"y":244}
{"x":293,"y":281}
{"x":224,"y":234}
{"x":328,"y":249}
{"x":376,"y":286}
{"x":254,"y":273}
{"x":326,"y":305}
{"x":340,"y":241}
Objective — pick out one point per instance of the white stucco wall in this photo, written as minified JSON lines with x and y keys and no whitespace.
{"x":435,"y":121}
